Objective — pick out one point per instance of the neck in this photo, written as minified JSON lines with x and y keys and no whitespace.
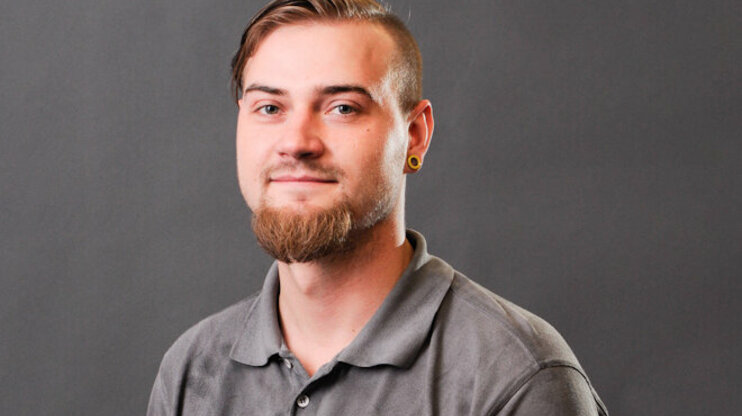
{"x":324,"y":304}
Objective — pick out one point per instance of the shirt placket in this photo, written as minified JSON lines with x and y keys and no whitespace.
{"x":307,"y":397}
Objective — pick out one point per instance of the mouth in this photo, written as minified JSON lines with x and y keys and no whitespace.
{"x":301,"y":179}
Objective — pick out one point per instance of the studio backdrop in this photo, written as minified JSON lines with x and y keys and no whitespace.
{"x":585,"y":164}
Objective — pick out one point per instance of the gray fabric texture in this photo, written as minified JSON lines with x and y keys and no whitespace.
{"x":440,"y":344}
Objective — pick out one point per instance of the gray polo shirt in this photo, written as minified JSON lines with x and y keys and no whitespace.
{"x":439,"y":345}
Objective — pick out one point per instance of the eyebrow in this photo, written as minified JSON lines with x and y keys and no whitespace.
{"x":339,"y":89}
{"x":264,"y":88}
{"x":328,"y":90}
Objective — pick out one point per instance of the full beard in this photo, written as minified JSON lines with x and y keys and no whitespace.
{"x":293,"y":237}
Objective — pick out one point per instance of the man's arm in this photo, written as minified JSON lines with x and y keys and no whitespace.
{"x":554,"y":391}
{"x":158,"y":401}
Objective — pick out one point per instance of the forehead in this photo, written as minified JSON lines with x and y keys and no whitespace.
{"x":322,"y":53}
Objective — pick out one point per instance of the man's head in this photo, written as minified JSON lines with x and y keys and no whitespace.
{"x":324,"y":126}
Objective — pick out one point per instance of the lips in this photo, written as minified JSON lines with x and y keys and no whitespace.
{"x":301,"y":173}
{"x":301,"y":179}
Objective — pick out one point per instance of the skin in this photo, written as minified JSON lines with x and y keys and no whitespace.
{"x":319,"y":124}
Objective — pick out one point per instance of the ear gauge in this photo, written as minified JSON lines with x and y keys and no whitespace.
{"x":413,"y":162}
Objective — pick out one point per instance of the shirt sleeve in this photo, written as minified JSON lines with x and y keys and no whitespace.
{"x":554,"y":391}
{"x":158,"y":403}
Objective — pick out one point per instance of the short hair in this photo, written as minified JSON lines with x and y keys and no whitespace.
{"x":407,"y":62}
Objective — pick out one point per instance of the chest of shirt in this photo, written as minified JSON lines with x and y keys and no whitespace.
{"x":281,"y":387}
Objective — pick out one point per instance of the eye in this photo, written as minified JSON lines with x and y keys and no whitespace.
{"x":269,"y":109}
{"x":344,"y":109}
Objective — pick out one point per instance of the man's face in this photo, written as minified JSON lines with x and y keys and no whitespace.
{"x":319,"y":122}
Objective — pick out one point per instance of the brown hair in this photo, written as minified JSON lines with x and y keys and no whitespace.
{"x":408,"y":62}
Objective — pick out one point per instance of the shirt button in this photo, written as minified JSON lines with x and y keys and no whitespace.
{"x":287,"y":363}
{"x":302,"y":401}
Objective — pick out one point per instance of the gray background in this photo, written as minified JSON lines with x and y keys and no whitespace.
{"x":586,"y":164}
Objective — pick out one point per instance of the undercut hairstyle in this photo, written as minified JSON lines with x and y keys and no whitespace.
{"x":407,"y":64}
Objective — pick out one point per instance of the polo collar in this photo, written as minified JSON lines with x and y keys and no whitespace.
{"x":395,"y":333}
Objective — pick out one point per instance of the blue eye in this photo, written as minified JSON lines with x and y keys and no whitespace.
{"x":345,"y":109}
{"x":269,"y":109}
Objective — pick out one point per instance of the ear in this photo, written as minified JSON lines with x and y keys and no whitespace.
{"x":420,"y":131}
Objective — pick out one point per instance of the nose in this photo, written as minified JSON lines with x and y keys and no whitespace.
{"x":302,"y":139}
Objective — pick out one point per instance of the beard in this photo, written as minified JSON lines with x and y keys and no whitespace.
{"x":292,"y":237}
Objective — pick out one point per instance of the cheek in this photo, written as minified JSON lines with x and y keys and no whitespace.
{"x":395,"y":153}
{"x":251,"y":146}
{"x":244,"y":154}
{"x":383,"y":162}
{"x":249,"y":165}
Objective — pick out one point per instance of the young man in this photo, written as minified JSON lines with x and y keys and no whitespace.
{"x":354,"y":318}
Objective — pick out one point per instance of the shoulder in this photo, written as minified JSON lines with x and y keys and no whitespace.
{"x":209,"y":340}
{"x":497,"y":320}
{"x":202,"y":350}
{"x":510,"y":351}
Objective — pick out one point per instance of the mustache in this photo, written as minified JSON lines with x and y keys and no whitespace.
{"x":305,"y":166}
